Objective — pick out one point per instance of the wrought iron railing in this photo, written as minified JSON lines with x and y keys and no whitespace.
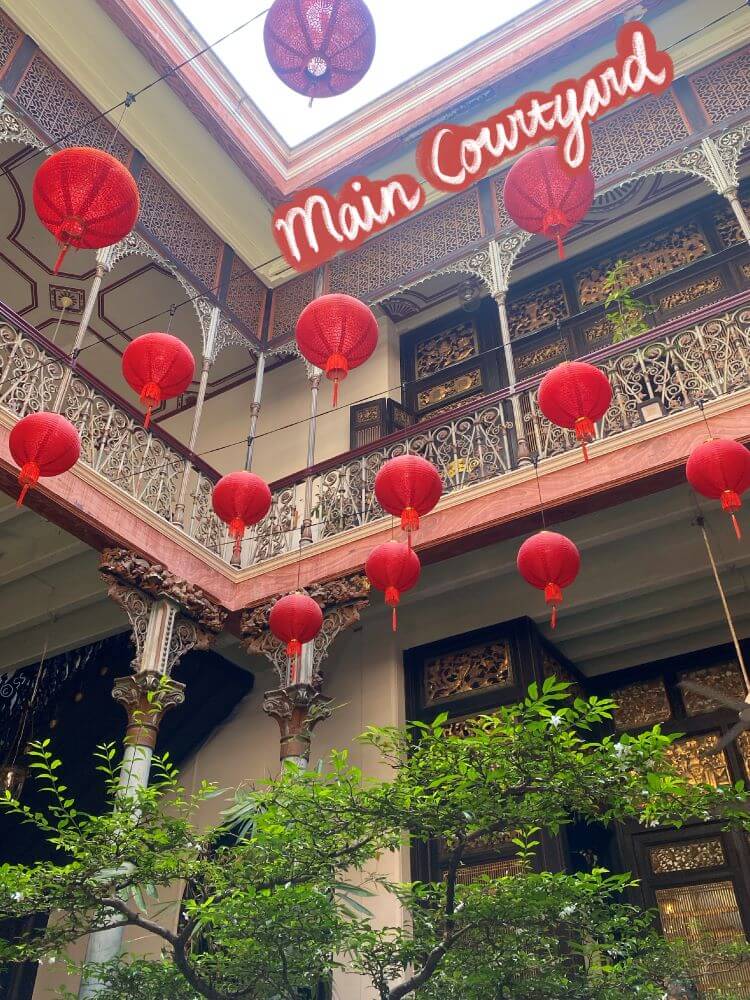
{"x":666,"y":370}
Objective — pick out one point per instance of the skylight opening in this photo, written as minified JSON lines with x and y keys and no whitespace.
{"x":412,"y":35}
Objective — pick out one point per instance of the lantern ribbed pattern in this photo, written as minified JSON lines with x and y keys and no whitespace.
{"x":549,"y":561}
{"x":295,"y":620}
{"x":86,"y":198}
{"x":320,"y":48}
{"x":720,"y":470}
{"x":407,"y":487}
{"x":575,"y":395}
{"x":43,"y":444}
{"x":157,"y":366}
{"x":337,"y":333}
{"x":393,"y":568}
{"x":240,"y":500}
{"x":544,"y":198}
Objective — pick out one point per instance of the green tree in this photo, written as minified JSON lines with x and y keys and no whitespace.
{"x":626,"y":313}
{"x":277,"y":891}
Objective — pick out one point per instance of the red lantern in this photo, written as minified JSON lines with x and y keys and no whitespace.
{"x":408,"y":487}
{"x":158,"y":366}
{"x":320,"y":48}
{"x":549,"y":562}
{"x":542,"y":197}
{"x":295,"y":620}
{"x":241,"y":500}
{"x":720,"y":470}
{"x":575,"y":395}
{"x":43,"y":444}
{"x":394,"y":568}
{"x":337,"y":333}
{"x":86,"y":198}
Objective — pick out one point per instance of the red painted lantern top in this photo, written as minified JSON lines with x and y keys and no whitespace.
{"x":158,"y":366}
{"x":43,"y":444}
{"x":549,"y":561}
{"x":295,"y":620}
{"x":337,"y":333}
{"x":407,"y":487}
{"x":720,"y":470}
{"x":393,"y":568}
{"x":86,"y":198}
{"x":575,"y":395}
{"x":320,"y":48}
{"x":543,"y":197}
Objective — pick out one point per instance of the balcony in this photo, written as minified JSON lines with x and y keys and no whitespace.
{"x":701,"y":357}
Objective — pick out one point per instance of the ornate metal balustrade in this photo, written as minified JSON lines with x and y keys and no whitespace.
{"x":667,"y":370}
{"x":148,"y":466}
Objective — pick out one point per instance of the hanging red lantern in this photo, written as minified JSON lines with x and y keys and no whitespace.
{"x":86,"y":198}
{"x":241,"y":500}
{"x":408,"y":487}
{"x":295,"y":620}
{"x":575,"y":395}
{"x":336,"y":333}
{"x":720,"y":470}
{"x":393,"y":568}
{"x":549,"y":561}
{"x":158,"y":366}
{"x":43,"y":444}
{"x":544,"y":198}
{"x":320,"y":48}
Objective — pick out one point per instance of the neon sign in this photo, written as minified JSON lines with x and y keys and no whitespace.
{"x":313,"y":227}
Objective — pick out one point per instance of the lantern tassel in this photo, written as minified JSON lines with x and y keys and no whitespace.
{"x":553,"y":595}
{"x":730,"y":502}
{"x":61,"y":257}
{"x":27,"y":477}
{"x":335,"y":393}
{"x":237,"y":531}
{"x":392,"y":598}
{"x":561,"y":253}
{"x":150,"y":397}
{"x":584,"y":428}
{"x":409,"y":521}
{"x":293,"y":649}
{"x":337,"y":368}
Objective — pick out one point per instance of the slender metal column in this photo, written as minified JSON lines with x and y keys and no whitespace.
{"x":103,"y":264}
{"x":260,"y":369}
{"x":520,"y":425}
{"x":725,"y":181}
{"x":144,"y":717}
{"x":739,"y":212}
{"x":209,"y":356}
{"x":314,"y":377}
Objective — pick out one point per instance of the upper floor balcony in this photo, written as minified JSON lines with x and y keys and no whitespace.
{"x":659,"y":379}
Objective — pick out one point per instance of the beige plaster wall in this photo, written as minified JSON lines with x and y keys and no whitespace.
{"x":281,"y":445}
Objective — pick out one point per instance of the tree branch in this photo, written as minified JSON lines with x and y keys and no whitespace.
{"x":429,"y":967}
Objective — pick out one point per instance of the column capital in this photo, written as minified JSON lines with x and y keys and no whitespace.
{"x":297,"y":709}
{"x":342,"y":600}
{"x":146,"y":697}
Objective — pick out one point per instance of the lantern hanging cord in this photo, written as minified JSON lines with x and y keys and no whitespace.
{"x":535,"y":463}
{"x":700,"y":521}
{"x":130,"y":97}
{"x":701,"y":404}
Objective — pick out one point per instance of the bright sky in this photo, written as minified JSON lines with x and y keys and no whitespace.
{"x":411,"y":35}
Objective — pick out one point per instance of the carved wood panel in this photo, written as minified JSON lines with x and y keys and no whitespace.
{"x":636,"y":133}
{"x":687,"y":855}
{"x":725,"y":677}
{"x":469,"y":670}
{"x":537,"y":310}
{"x":9,"y":36}
{"x":412,"y":246}
{"x":641,"y":704}
{"x":177,"y":227}
{"x":288,"y":302}
{"x":724,"y":88}
{"x":246,"y":296}
{"x":51,"y":101}
{"x":450,"y":346}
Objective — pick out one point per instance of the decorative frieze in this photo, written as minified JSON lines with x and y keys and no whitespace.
{"x":158,"y":583}
{"x":289,"y":300}
{"x":644,"y":703}
{"x":451,"y":346}
{"x":660,"y":253}
{"x":412,"y":246}
{"x":687,"y":855}
{"x":177,"y":227}
{"x":636,"y":133}
{"x":55,"y":106}
{"x":695,"y":291}
{"x":466,"y":384}
{"x":9,"y":36}
{"x":467,"y":671}
{"x":725,"y":677}
{"x":246,"y":296}
{"x":724,"y":88}
{"x":547,"y":354}
{"x":689,"y":757}
{"x":537,"y":310}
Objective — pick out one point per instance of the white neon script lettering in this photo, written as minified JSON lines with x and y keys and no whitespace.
{"x":311,"y":231}
{"x":453,"y":157}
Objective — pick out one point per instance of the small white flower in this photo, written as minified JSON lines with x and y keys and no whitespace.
{"x":17,"y":896}
{"x":555,"y":720}
{"x":567,"y":911}
{"x":621,"y":750}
